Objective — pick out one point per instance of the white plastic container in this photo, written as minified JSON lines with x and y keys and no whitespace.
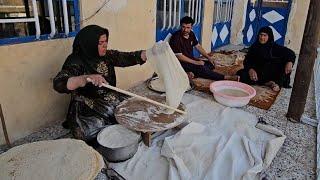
{"x":222,"y":93}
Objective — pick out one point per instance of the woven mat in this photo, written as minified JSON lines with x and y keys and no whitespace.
{"x":264,"y":98}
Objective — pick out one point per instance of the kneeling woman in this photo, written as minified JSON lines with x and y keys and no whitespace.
{"x":267,"y":63}
{"x":91,"y":107}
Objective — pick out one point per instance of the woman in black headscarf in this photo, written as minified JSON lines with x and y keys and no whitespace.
{"x":267,"y":63}
{"x":91,"y":107}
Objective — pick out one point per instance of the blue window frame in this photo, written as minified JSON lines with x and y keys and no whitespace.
{"x":8,"y":34}
{"x":169,"y":13}
{"x":221,"y":29}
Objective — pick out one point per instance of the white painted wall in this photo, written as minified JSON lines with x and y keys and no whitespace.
{"x":26,"y":70}
{"x":238,"y":21}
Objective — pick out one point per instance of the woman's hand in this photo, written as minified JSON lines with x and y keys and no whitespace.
{"x":288,"y":68}
{"x":96,"y":79}
{"x":76,"y":82}
{"x":143,"y":55}
{"x":80,"y":81}
{"x":253,"y":75}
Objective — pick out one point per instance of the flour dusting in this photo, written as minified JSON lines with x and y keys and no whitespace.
{"x":117,"y":136}
{"x":140,"y":115}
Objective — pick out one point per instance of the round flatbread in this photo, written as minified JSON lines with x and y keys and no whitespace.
{"x":54,"y":159}
{"x":157,"y":85}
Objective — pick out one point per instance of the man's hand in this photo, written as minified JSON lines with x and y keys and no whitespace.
{"x":201,"y":63}
{"x":253,"y":75}
{"x":288,"y":68}
{"x":213,"y":62}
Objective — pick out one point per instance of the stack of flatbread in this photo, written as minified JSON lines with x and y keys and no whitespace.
{"x":56,"y":159}
{"x":228,"y":59}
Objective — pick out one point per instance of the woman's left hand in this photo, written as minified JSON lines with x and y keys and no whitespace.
{"x":143,"y":55}
{"x":288,"y":68}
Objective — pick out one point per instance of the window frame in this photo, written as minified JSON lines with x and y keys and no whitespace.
{"x":43,"y":37}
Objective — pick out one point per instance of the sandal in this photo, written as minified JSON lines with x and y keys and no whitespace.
{"x":275,"y":87}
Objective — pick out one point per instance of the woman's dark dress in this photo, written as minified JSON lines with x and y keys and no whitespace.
{"x":268,"y":60}
{"x":91,"y":108}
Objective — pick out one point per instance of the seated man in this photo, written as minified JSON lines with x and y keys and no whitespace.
{"x":267,"y":63}
{"x":182,"y":43}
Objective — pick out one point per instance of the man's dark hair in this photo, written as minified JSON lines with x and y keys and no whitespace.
{"x":187,"y":20}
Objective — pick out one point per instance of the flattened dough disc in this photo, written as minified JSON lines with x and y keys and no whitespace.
{"x":142,"y":116}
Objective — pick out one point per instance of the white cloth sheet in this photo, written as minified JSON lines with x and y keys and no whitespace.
{"x":218,"y":143}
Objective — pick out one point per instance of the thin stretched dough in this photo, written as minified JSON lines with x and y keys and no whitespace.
{"x":170,"y":72}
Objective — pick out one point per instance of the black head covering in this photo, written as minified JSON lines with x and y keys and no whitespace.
{"x":85,"y":45}
{"x":264,"y":50}
{"x":268,"y":31}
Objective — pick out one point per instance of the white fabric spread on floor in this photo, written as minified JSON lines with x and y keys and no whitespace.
{"x":218,"y":143}
{"x":171,"y":74}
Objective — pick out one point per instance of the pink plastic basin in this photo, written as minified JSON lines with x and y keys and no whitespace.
{"x":222,"y":93}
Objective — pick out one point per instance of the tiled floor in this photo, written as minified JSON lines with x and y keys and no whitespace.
{"x":295,"y":160}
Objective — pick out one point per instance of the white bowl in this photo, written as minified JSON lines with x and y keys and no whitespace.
{"x":232,"y":93}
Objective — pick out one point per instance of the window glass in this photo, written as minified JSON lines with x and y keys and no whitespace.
{"x":20,"y":9}
{"x":275,"y":3}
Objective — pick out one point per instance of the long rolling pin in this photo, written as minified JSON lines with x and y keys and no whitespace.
{"x":139,"y":97}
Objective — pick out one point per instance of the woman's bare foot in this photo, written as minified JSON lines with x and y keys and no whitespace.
{"x":275,"y":87}
{"x":190,"y":75}
{"x":232,"y":78}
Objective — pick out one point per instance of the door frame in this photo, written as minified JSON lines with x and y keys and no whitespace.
{"x":221,"y":27}
{"x":255,"y":20}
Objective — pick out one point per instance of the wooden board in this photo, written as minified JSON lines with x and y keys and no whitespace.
{"x":142,"y":116}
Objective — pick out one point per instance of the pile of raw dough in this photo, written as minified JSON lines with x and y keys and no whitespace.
{"x":117,"y":136}
{"x":51,"y":160}
{"x":171,"y":75}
